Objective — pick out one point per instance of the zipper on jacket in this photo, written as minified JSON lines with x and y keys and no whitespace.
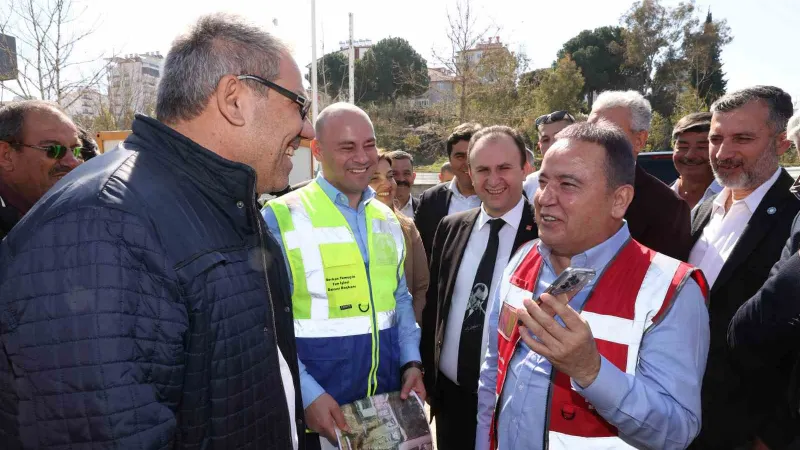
{"x":262,"y":239}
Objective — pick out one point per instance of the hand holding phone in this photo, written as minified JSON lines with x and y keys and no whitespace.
{"x":570,"y":280}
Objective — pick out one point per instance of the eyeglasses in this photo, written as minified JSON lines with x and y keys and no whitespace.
{"x":55,"y":151}
{"x":554,"y":117}
{"x":305,"y":104}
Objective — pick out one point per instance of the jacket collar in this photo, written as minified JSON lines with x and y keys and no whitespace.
{"x":208,"y":170}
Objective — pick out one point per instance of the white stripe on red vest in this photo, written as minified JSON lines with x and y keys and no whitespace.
{"x":634,"y":292}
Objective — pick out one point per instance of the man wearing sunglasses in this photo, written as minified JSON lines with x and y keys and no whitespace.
{"x":548,"y":126}
{"x":39,"y":144}
{"x":143,"y":302}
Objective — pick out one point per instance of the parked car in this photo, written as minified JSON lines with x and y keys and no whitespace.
{"x":659,"y":165}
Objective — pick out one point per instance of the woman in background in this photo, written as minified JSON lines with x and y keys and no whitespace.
{"x":416,"y":264}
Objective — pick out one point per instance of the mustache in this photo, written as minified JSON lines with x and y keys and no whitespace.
{"x":403,"y":183}
{"x":692,"y":161}
{"x":728,"y":163}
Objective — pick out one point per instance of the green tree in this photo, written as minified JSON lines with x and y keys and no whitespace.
{"x":397,"y":69}
{"x":559,"y":88}
{"x":651,"y":31}
{"x":493,"y":93}
{"x":332,"y":75}
{"x":702,"y":47}
{"x":600,"y":54}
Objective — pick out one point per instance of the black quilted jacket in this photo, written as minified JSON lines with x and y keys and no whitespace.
{"x":135,"y":311}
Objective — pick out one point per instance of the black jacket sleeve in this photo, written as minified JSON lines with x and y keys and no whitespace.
{"x":430,"y":314}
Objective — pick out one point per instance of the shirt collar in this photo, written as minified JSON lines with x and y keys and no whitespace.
{"x":754,"y":199}
{"x":454,"y":187}
{"x":597,"y":257}
{"x":338,"y":196}
{"x":409,"y":203}
{"x":512,"y":217}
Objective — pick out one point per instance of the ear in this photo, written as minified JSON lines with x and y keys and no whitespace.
{"x":641,"y":141}
{"x":6,"y":157}
{"x":413,"y":177}
{"x":229,"y":100}
{"x":623,"y":196}
{"x":316,"y":149}
{"x":782,"y":144}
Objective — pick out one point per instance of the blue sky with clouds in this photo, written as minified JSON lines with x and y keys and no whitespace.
{"x":762,"y":52}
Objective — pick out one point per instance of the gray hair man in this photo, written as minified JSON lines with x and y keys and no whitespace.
{"x":39,"y":144}
{"x":588,"y":392}
{"x":657,"y":217}
{"x":738,"y":235}
{"x":168,"y":322}
{"x":404,"y":176}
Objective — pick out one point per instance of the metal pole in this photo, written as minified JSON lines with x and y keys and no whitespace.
{"x":352,"y":65}
{"x":314,"y":105}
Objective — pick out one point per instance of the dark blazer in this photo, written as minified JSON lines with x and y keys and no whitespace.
{"x":658,"y":218}
{"x":734,"y":408}
{"x":431,"y":209}
{"x":449,"y":246}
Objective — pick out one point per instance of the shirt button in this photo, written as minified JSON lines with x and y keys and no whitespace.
{"x":519,"y":388}
{"x":286,"y":309}
{"x":240,"y":204}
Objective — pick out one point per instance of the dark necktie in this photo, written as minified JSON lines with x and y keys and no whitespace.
{"x":469,"y":349}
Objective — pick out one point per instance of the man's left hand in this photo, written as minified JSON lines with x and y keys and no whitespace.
{"x":571,"y":349}
{"x":412,"y":381}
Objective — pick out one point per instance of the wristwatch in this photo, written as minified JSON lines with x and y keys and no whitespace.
{"x":411,"y":364}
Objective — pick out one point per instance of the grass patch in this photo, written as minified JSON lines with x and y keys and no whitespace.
{"x":432,"y":167}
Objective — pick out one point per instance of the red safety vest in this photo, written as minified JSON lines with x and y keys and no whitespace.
{"x":635,"y":292}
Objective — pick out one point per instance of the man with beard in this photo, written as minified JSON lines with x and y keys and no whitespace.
{"x":448,"y":198}
{"x":39,"y":144}
{"x":737,"y":236}
{"x":142,"y":305}
{"x":404,"y":176}
{"x":696,"y":182}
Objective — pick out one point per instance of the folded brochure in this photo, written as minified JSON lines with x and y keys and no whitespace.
{"x":385,"y":422}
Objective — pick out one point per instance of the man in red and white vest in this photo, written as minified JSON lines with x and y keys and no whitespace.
{"x":616,"y":365}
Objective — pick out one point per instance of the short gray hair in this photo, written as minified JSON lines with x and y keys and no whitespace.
{"x":12,"y":117}
{"x":793,"y":129}
{"x":398,"y":155}
{"x":777,"y":100}
{"x":641,"y":111}
{"x":218,"y":45}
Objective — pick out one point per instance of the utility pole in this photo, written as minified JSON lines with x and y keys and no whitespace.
{"x":352,"y":66}
{"x":314,"y":105}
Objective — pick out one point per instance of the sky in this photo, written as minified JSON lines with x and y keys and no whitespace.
{"x":761,"y":51}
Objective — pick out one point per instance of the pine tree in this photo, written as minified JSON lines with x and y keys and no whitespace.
{"x":704,"y":49}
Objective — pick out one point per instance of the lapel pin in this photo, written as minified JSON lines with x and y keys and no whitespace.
{"x":771,"y":210}
{"x":528,"y":227}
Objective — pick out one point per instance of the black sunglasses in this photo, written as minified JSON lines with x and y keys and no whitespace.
{"x":55,"y":151}
{"x":305,"y":104}
{"x":554,"y":117}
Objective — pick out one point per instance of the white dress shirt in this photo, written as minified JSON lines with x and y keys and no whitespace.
{"x":408,"y":208}
{"x":531,"y":184}
{"x":724,"y":229}
{"x":476,"y":246}
{"x":460,"y":203}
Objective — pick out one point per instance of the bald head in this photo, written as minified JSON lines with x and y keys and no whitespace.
{"x":337,"y":112}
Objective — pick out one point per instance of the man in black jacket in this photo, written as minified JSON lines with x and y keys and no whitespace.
{"x":657,"y":217}
{"x":738,"y":236}
{"x":39,"y":144}
{"x":470,"y":251}
{"x":144,"y":304}
{"x":448,"y":198}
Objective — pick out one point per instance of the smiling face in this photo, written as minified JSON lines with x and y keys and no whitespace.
{"x":383,"y":183}
{"x":574,"y":207}
{"x":404,"y":175}
{"x":346,"y":148}
{"x":497,"y":173}
{"x":690,"y":156}
{"x":30,"y":171}
{"x":459,"y":163}
{"x":744,"y":149}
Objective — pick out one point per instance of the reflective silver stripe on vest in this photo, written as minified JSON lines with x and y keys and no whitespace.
{"x":350,"y":326}
{"x":308,"y":239}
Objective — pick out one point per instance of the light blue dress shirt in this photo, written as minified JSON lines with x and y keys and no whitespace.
{"x":408,"y":330}
{"x":659,"y":407}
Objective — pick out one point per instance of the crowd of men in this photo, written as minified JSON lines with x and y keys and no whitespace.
{"x":148,"y":301}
